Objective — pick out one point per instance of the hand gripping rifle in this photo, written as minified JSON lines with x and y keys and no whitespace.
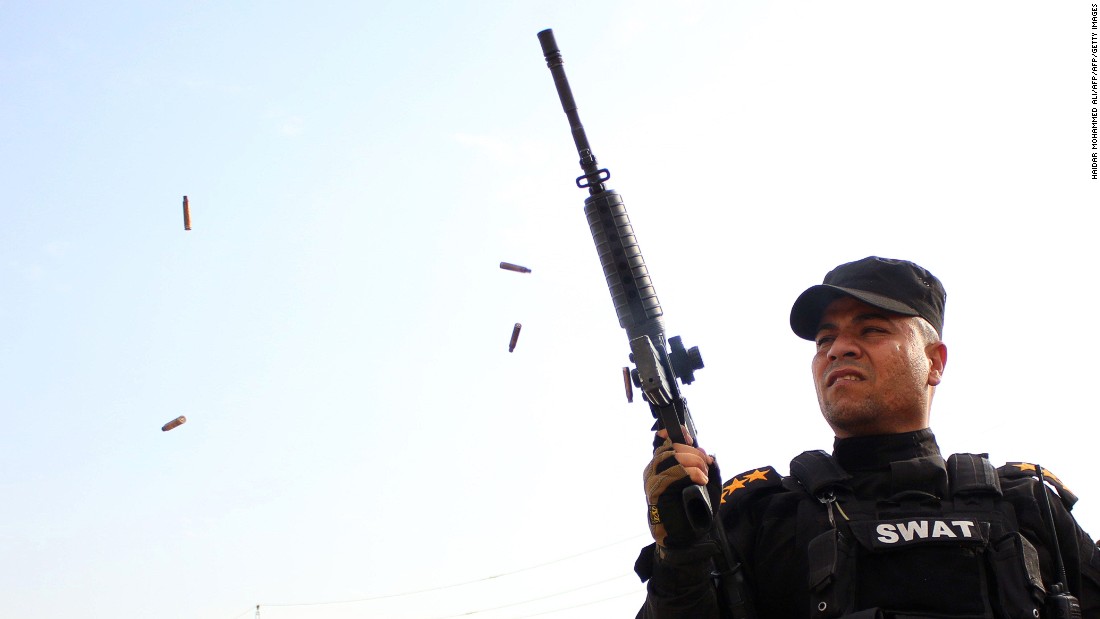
{"x":658,"y":367}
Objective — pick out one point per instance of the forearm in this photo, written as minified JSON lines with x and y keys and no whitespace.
{"x":680,"y":585}
{"x":1088,"y":580}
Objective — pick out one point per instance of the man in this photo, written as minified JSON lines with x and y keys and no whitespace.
{"x":885,"y":526}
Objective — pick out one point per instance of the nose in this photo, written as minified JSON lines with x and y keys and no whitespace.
{"x":843,"y":346}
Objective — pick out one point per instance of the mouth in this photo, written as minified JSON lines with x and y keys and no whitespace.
{"x":843,"y":376}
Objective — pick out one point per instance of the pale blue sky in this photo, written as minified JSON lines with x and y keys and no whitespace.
{"x":335,"y":326}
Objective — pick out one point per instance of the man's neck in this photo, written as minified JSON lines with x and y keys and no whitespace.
{"x":860,"y":453}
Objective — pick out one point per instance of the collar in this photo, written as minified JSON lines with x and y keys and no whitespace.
{"x":866,"y":453}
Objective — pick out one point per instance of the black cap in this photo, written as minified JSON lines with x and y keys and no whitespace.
{"x":897,"y":286}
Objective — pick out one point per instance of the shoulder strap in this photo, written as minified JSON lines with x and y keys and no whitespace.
{"x":817,"y":471}
{"x":972,"y":474}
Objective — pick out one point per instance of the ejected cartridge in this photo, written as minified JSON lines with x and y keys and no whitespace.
{"x":186,"y":215}
{"x":175,"y":423}
{"x":515,"y":337}
{"x":508,"y":266}
{"x":628,"y":384}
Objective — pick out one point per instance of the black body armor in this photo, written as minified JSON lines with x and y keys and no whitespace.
{"x":942,"y":546}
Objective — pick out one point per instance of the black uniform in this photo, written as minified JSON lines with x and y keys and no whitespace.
{"x":951,"y":563}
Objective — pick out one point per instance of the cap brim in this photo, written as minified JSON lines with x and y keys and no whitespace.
{"x":808,"y":308}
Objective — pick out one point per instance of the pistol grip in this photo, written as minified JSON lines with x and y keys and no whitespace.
{"x":699,"y":509}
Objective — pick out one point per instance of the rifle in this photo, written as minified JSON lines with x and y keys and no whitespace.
{"x":659,"y":364}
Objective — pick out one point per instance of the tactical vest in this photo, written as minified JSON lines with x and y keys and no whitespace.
{"x":944,"y":545}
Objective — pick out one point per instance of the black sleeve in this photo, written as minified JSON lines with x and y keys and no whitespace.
{"x":1079,"y":552}
{"x":680,"y":584}
{"x":1089,"y":565}
{"x":1082,"y":561}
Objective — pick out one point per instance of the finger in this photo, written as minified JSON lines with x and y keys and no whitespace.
{"x":666,"y":475}
{"x":663,"y":433}
{"x":687,"y":449}
{"x":698,"y":476}
{"x":692,"y":461}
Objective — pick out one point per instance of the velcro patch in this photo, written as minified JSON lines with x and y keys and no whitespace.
{"x":887,"y":534}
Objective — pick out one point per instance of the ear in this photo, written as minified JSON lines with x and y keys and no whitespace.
{"x":937,"y":359}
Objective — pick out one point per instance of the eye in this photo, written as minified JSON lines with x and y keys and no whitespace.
{"x":824,"y":340}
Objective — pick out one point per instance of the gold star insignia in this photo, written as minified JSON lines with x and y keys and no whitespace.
{"x":1024,"y":466}
{"x":1051,"y":477}
{"x":756,"y":475}
{"x":731,"y":487}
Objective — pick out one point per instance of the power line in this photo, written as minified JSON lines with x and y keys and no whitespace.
{"x":564,"y":608}
{"x":460,"y":584}
{"x":540,"y":598}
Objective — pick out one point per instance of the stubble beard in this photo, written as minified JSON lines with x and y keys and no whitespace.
{"x":872,"y":415}
{"x":851,"y":418}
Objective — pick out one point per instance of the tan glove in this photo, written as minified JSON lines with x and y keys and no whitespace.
{"x":673,"y":468}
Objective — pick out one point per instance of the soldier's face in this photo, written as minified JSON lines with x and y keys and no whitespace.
{"x":873,"y":370}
